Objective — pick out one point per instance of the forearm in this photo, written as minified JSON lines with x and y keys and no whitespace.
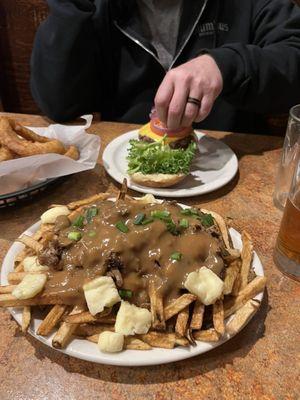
{"x":63,"y":65}
{"x":265,"y":75}
{"x":260,"y":79}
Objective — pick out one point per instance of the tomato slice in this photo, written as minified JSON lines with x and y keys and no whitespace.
{"x":160,"y":129}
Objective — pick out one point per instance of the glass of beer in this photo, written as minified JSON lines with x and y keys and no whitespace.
{"x":288,"y":158}
{"x":287,"y":249}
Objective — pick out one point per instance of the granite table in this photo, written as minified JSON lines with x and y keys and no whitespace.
{"x":261,"y":362}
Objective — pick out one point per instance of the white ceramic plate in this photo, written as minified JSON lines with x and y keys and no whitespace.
{"x":214,"y":166}
{"x":88,"y":351}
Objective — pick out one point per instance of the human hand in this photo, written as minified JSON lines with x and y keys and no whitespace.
{"x":200,"y":79}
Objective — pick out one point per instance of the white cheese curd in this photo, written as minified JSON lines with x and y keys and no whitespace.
{"x":205,"y":284}
{"x":49,"y":216}
{"x":31,"y":264}
{"x":99,"y":293}
{"x":148,"y":199}
{"x":30,"y":286}
{"x":110,"y":342}
{"x":132,"y":319}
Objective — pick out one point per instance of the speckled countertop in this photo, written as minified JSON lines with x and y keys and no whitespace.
{"x":261,"y":362}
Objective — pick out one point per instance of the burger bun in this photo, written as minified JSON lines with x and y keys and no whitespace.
{"x":157,"y":180}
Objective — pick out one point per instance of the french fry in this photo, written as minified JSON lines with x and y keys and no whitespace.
{"x":16,"y":277}
{"x":218,"y":317}
{"x":207,"y":335}
{"x":242,"y":316}
{"x":86,"y":317}
{"x":246,"y":255}
{"x":51,"y":319}
{"x":19,"y":267}
{"x":159,"y":339}
{"x":22,"y":254}
{"x":93,"y":329}
{"x":65,"y":331}
{"x":179,"y":304}
{"x":224,"y":231}
{"x":8,"y":300}
{"x":30,"y":242}
{"x":157,"y":308}
{"x":7,"y":289}
{"x":97,"y":197}
{"x":182,"y":321}
{"x":26,"y":318}
{"x":132,"y":343}
{"x":122,"y":192}
{"x":197,"y":316}
{"x":231,"y":274}
{"x":181,"y":341}
{"x":251,"y":290}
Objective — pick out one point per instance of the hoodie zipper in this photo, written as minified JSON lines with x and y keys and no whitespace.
{"x":189,"y":35}
{"x":181,"y":48}
{"x":139,"y":44}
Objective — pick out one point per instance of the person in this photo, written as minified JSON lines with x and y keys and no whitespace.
{"x":222,"y":64}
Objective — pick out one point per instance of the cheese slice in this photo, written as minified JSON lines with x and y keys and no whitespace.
{"x":31,"y":264}
{"x":99,"y":293}
{"x":132,"y":319}
{"x":205,"y":284}
{"x":110,"y":342}
{"x":30,"y":286}
{"x":146,"y":131}
{"x":49,"y":216}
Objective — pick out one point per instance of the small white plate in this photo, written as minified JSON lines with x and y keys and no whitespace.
{"x":88,"y":351}
{"x":213,"y":167}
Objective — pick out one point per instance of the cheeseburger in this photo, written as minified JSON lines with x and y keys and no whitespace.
{"x":161,"y":157}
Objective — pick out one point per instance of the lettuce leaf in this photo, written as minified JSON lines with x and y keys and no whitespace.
{"x":159,"y":158}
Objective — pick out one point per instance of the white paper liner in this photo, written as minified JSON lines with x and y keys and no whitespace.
{"x":24,"y":172}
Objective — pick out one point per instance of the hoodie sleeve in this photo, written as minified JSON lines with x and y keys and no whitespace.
{"x":63,"y":62}
{"x":264,"y":76}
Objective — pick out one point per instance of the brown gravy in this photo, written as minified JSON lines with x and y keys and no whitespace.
{"x":144,"y":251}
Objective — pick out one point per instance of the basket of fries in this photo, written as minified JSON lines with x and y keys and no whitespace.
{"x":30,"y":157}
{"x":132,"y":274}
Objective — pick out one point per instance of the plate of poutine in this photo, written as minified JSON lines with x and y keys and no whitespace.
{"x":131,"y":281}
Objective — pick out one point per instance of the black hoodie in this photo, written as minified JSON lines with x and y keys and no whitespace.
{"x":91,"y":56}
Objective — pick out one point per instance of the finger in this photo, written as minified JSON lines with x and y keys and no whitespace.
{"x":206,"y":106}
{"x":191,"y":109}
{"x":177,"y":105}
{"x":162,"y":99}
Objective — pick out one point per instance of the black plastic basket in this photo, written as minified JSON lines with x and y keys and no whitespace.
{"x":12,"y":199}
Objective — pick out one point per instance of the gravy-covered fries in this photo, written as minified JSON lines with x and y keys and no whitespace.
{"x":133,"y":274}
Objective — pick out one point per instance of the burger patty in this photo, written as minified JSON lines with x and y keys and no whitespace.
{"x":178,"y":144}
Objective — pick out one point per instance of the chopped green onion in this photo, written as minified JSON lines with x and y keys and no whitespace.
{"x":184,"y":223}
{"x":122,"y":227}
{"x":172,"y":228}
{"x":206,"y":220}
{"x":139,"y":219}
{"x":163,"y":214}
{"x":147,"y":221}
{"x":176,"y":256}
{"x":125,"y":294}
{"x":79,"y":221}
{"x":91,"y":233}
{"x":91,"y":213}
{"x":74,"y":236}
{"x":190,"y":212}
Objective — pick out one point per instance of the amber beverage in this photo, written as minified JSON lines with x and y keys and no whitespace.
{"x":287,"y":251}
